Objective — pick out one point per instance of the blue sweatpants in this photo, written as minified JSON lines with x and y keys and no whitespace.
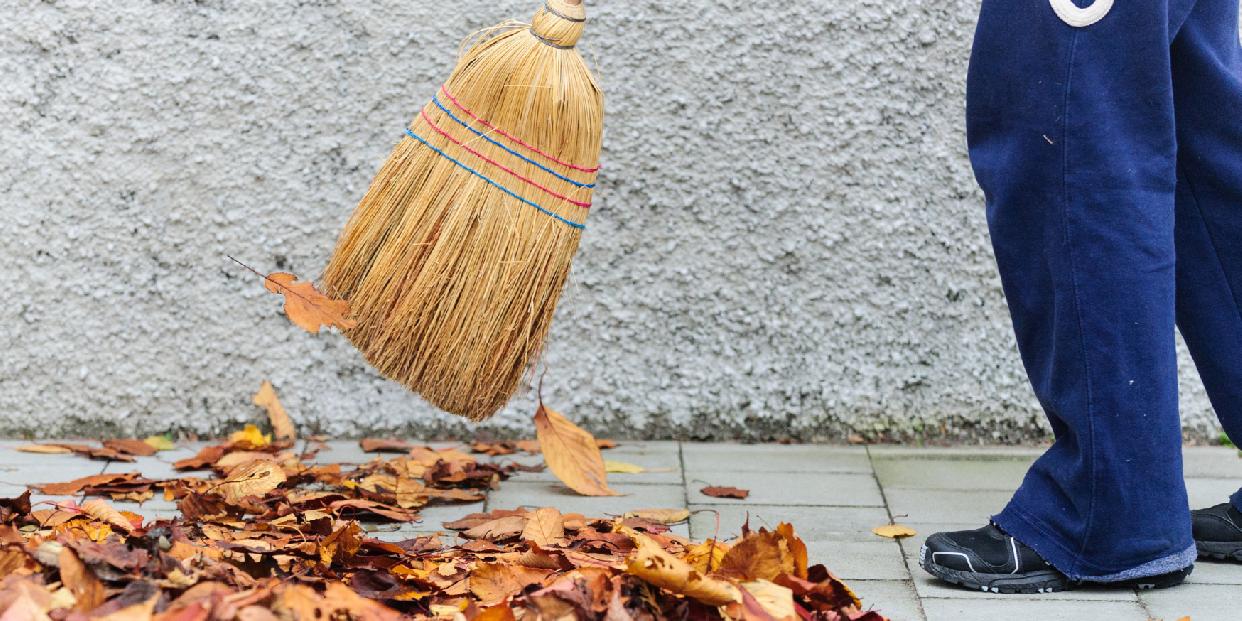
{"x":1108,"y":143}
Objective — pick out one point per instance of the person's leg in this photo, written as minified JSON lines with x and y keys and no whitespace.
{"x":1207,"y":86}
{"x":1073,"y":140}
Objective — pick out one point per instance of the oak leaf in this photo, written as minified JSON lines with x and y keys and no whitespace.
{"x":571,"y":454}
{"x":282,"y":426}
{"x":306,"y":307}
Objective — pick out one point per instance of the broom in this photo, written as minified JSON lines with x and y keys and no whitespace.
{"x":455,"y":258}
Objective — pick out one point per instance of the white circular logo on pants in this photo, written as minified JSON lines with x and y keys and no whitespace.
{"x":1080,"y":17}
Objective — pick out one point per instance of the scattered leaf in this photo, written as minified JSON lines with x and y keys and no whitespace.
{"x":255,"y":478}
{"x":620,"y":467}
{"x":544,"y":527}
{"x":306,"y":307}
{"x":160,"y":443}
{"x":655,"y":565}
{"x":726,"y":492}
{"x":251,"y":435}
{"x":571,"y":454}
{"x":894,"y":531}
{"x":661,"y":516}
{"x":46,"y":449}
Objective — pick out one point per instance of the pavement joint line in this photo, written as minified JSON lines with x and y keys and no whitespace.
{"x":743,"y":503}
{"x":905,"y":558}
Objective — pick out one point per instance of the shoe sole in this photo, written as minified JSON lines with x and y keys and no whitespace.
{"x":1220,"y":550}
{"x":1049,"y":581}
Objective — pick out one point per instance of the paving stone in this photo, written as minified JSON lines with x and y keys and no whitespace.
{"x":1201,"y":602}
{"x":788,"y":488}
{"x":513,"y":494}
{"x":775,"y":458}
{"x":1209,"y":492}
{"x":1215,"y":572}
{"x":52,"y":469}
{"x":1213,"y":462}
{"x":918,"y":472}
{"x":997,"y":607}
{"x":892,"y":451}
{"x":956,"y":506}
{"x":894,"y":599}
{"x":860,"y":560}
{"x":820,"y":524}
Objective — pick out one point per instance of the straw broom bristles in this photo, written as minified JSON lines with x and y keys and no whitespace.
{"x":453,"y":280}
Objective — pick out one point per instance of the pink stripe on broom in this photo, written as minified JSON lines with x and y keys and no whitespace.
{"x":499,"y":165}
{"x":513,"y":138}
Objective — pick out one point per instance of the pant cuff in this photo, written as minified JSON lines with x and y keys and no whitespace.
{"x":1027,"y":531}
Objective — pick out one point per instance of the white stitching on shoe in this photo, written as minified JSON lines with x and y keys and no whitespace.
{"x":968,"y":563}
{"x":1017,"y":564}
{"x":1079,"y":17}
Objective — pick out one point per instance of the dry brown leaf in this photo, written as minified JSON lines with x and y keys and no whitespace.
{"x":775,"y":602}
{"x":544,"y":527}
{"x":660,"y":516}
{"x":726,"y":492}
{"x":72,"y":487}
{"x":760,"y":556}
{"x":104,"y":512}
{"x":571,"y":454}
{"x":500,"y":612}
{"x":653,"y":564}
{"x":493,"y":583}
{"x":705,"y":557}
{"x":894,"y":531}
{"x":282,"y":426}
{"x":342,"y":544}
{"x":255,"y":478}
{"x":621,"y":467}
{"x":498,"y":529}
{"x":44,"y":449}
{"x":131,"y":447}
{"x":87,"y":590}
{"x":379,"y":445}
{"x":306,"y":307}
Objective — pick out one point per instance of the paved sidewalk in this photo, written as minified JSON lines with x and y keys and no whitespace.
{"x":833,"y":495}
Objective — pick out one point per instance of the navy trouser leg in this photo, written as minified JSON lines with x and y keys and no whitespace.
{"x":1207,"y":87}
{"x":1073,"y":137}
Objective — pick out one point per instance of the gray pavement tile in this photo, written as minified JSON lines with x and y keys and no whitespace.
{"x":820,"y":524}
{"x":513,"y":494}
{"x":788,"y":488}
{"x":894,"y":599}
{"x":1213,"y":462}
{"x":1201,"y":602}
{"x":55,"y":469}
{"x":992,"y":608}
{"x":918,"y":472}
{"x":1209,"y":492}
{"x":1214,"y":572}
{"x":775,"y":458}
{"x":880,"y":451}
{"x":956,"y":506}
{"x":859,"y":560}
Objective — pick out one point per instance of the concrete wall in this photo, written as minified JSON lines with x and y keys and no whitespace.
{"x":788,"y":240}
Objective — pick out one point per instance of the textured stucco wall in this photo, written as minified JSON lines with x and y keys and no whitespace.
{"x":788,"y":240}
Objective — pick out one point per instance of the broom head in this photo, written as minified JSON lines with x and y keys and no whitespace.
{"x":455,"y":258}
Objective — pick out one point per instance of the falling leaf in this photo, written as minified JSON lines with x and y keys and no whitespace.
{"x":306,"y":307}
{"x":544,"y":527}
{"x":726,"y":492}
{"x":255,"y":478}
{"x":282,"y":427}
{"x":661,"y":516}
{"x":894,"y":531}
{"x":571,"y":454}
{"x":620,"y":467}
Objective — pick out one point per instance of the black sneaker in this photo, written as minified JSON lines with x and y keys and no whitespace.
{"x":1218,"y":532}
{"x":989,"y":560}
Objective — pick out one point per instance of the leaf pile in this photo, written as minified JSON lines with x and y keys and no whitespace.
{"x":272,"y":533}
